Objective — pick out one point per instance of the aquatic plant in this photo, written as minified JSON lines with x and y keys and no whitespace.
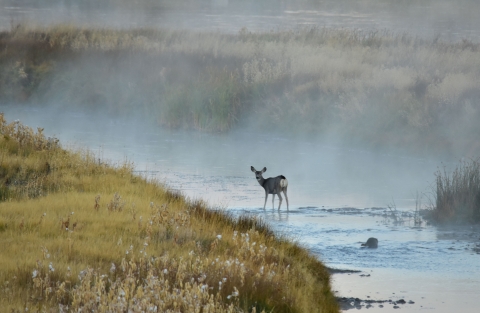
{"x":457,"y":194}
{"x":97,"y":237}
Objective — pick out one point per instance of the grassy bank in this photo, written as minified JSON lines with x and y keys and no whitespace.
{"x":376,"y":88}
{"x":78,"y":234}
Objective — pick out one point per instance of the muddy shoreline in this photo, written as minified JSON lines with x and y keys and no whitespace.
{"x":356,"y":303}
{"x":349,"y":303}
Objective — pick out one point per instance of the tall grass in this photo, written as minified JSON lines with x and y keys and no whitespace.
{"x":458,"y":194}
{"x":82,"y":235}
{"x":376,"y":87}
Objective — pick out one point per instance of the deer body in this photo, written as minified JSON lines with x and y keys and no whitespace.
{"x":273,"y":186}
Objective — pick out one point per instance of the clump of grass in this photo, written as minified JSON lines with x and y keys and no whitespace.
{"x":392,"y":215}
{"x":98,"y":238}
{"x":209,"y":103}
{"x":22,"y":177}
{"x":458,"y":194}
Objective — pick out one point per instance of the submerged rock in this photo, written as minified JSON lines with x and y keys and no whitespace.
{"x":371,"y":243}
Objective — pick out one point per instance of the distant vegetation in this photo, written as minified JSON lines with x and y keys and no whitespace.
{"x":458,"y":194}
{"x":375,"y":88}
{"x":81,"y":235}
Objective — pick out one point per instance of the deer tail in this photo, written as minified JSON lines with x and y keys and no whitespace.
{"x":284,"y":182}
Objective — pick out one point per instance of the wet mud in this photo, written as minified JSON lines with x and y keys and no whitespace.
{"x":356,"y":303}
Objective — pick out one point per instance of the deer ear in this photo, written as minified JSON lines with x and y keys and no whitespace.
{"x":264,"y":170}
{"x":252,"y":168}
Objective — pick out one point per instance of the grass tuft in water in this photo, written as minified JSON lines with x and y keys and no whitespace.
{"x":458,"y":194}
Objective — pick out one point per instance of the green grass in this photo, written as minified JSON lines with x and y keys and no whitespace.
{"x":77,"y":234}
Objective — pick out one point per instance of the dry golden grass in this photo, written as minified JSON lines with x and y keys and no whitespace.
{"x":457,"y":194}
{"x":93,"y":237}
{"x":376,"y":87}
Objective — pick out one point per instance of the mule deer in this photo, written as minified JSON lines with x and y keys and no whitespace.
{"x":272,"y":185}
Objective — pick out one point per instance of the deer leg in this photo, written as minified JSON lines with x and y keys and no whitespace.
{"x":286,"y":197}
{"x":266,"y":196}
{"x":279,"y":201}
{"x":273,"y":199}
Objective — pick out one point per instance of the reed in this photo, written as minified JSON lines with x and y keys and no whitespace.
{"x":458,"y":194}
{"x":80,"y":234}
{"x":378,"y":88}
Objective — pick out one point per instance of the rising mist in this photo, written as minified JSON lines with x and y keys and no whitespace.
{"x":386,"y":81}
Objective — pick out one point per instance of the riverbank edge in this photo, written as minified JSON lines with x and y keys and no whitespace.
{"x":67,"y":213}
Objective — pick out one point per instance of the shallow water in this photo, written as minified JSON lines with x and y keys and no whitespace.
{"x":435,"y":268}
{"x":217,"y":167}
{"x":338,"y":199}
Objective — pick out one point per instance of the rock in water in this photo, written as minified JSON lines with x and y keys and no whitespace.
{"x":371,"y":243}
